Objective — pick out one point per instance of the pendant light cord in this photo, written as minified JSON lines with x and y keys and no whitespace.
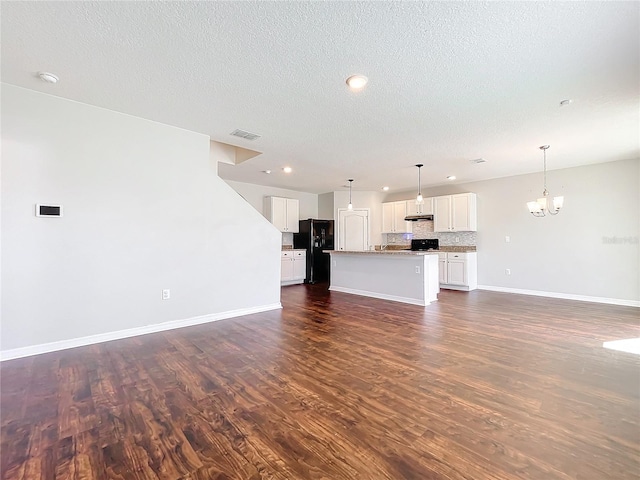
{"x":545,"y":169}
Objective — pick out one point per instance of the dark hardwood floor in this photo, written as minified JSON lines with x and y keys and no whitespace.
{"x":478,"y":386}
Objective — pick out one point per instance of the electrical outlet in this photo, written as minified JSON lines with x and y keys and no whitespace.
{"x":457,"y":239}
{"x":166,"y":294}
{"x":507,"y":239}
{"x":507,"y":271}
{"x":417,"y":269}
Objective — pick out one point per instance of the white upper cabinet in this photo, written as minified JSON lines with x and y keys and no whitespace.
{"x":464,"y":217}
{"x":455,"y":213}
{"x":393,"y":214}
{"x":442,"y":214}
{"x":426,"y":208}
{"x":284,"y":213}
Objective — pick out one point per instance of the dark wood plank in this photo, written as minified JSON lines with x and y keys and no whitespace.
{"x":479,"y":385}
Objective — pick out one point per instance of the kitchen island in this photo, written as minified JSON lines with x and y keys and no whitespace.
{"x":398,"y":275}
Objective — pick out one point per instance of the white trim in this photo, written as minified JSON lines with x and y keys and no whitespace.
{"x":130,"y":332}
{"x":566,"y":296}
{"x":462,"y":288}
{"x":382,"y":296}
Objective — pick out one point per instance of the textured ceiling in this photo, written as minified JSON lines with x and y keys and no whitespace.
{"x":449,"y":82}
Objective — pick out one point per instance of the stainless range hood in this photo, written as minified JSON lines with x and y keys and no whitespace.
{"x":416,"y":218}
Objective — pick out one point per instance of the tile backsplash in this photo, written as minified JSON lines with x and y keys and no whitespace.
{"x":421,"y":229}
{"x":424,"y":229}
{"x":287,"y":239}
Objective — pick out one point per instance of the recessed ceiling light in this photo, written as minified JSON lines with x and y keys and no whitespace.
{"x":266,"y":171}
{"x":564,"y":103}
{"x":287,"y":169}
{"x":385,"y":188}
{"x":357,"y":82}
{"x":451,"y":177}
{"x":48,"y":77}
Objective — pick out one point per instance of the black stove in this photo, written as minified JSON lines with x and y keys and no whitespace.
{"x":425,"y":244}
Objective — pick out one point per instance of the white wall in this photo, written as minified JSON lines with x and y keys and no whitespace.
{"x":144,"y":210}
{"x":569,"y":253}
{"x":325,"y":206}
{"x":254,"y":194}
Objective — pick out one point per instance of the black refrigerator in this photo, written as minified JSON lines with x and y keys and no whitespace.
{"x":315,"y":236}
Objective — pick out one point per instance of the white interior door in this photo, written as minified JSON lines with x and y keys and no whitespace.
{"x":353,"y":229}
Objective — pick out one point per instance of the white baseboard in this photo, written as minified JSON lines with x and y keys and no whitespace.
{"x":382,"y":296}
{"x":566,"y":296}
{"x":130,"y":332}
{"x":446,"y":286}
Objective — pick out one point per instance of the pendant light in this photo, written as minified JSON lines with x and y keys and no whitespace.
{"x":350,"y":206}
{"x":419,"y":199}
{"x":541,"y":207}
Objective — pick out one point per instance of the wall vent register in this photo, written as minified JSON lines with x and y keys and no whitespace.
{"x":48,"y":210}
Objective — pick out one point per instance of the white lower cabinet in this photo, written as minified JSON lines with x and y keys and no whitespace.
{"x":458,"y":270}
{"x":442,"y":267}
{"x":299,"y":265}
{"x":293,"y":265}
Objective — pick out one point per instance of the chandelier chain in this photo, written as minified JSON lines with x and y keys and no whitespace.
{"x":545,"y":172}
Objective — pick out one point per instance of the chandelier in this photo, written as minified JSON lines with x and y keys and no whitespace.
{"x":419,"y":199}
{"x":541,"y":207}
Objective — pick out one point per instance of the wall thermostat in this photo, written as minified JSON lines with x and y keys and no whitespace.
{"x":48,"y":210}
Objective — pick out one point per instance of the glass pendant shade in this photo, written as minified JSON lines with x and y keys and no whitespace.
{"x":558,"y":202}
{"x":542,"y":206}
{"x":350,"y":206}
{"x":534,"y":207}
{"x":542,"y":202}
{"x":419,"y":199}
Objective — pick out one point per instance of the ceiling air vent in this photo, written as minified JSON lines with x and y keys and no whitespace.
{"x":478,"y":160}
{"x":244,"y":134}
